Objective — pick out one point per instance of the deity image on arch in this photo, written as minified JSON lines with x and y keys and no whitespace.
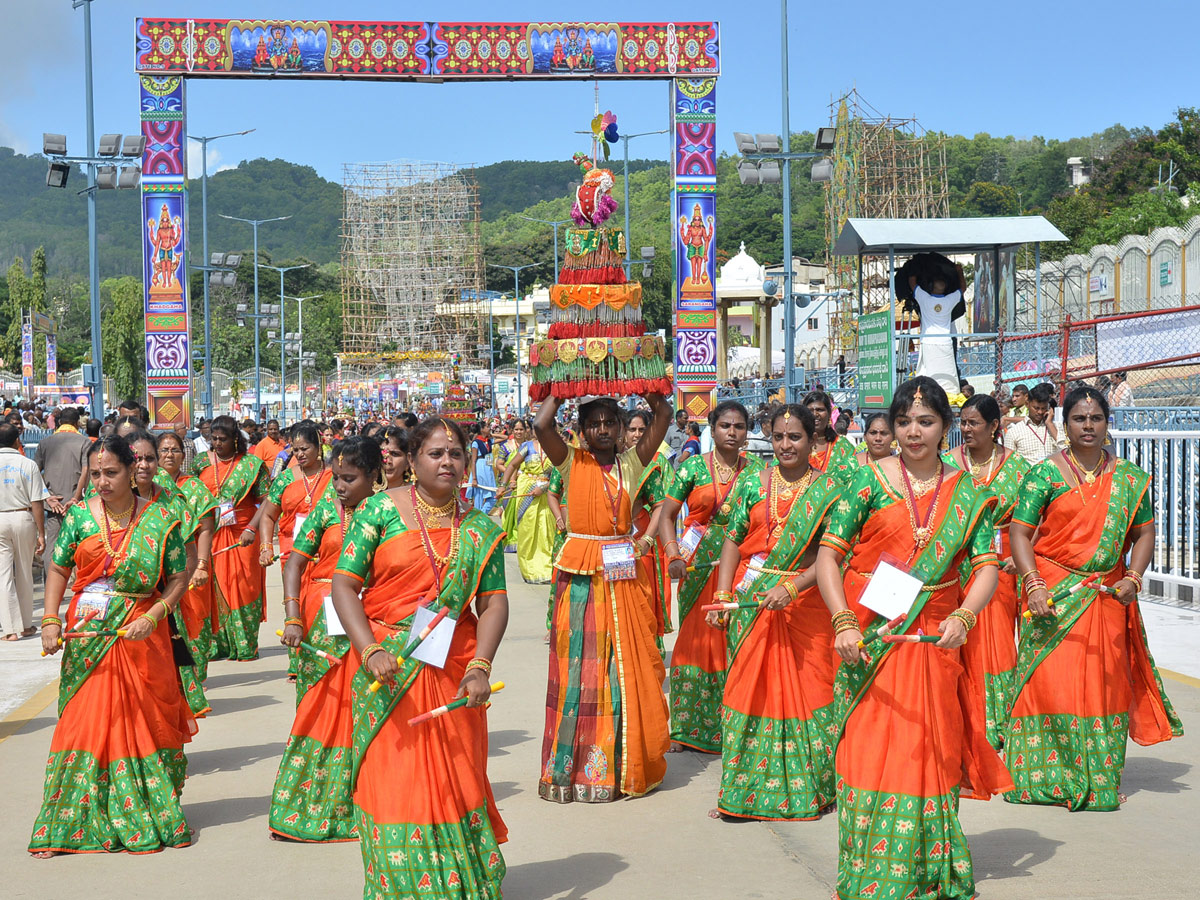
{"x":696,"y":235}
{"x":277,"y":48}
{"x":165,"y":237}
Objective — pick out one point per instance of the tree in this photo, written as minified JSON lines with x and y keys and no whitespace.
{"x":123,"y":341}
{"x":986,"y":198}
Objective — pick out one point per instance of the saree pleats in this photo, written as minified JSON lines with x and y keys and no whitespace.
{"x":536,"y":530}
{"x":238,"y":586}
{"x":698,"y":678}
{"x":778,"y":725}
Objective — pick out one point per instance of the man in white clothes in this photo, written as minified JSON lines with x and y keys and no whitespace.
{"x":22,"y":534}
{"x":1035,"y":437}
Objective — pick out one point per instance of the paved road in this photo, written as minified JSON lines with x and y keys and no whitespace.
{"x":662,"y":847}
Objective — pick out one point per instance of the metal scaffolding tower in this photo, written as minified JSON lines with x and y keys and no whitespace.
{"x":410,"y":248}
{"x":883,"y":168}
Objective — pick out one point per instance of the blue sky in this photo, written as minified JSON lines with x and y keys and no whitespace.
{"x":1021,"y":68}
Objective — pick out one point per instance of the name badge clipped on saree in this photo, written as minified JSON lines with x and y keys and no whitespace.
{"x":225,"y":514}
{"x":891,"y":590}
{"x":691,"y":540}
{"x":434,"y":649}
{"x":753,"y":570}
{"x":333,"y":625}
{"x":95,"y":597}
{"x":619,"y":562}
{"x":999,"y":544}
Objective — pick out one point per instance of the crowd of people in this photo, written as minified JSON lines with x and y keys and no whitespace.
{"x":879,"y":630}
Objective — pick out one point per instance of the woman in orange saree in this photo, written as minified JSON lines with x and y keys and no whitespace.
{"x":196,"y":606}
{"x":777,"y":718}
{"x":238,"y":481}
{"x":606,"y":718}
{"x":898,"y":828}
{"x":997,"y":471}
{"x":1085,"y":680}
{"x":832,"y":453}
{"x":706,"y":484}
{"x":311,"y":801}
{"x":427,"y":821}
{"x":116,"y":765}
{"x":648,"y":496}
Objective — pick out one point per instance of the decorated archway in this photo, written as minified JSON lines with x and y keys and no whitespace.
{"x":171,"y":51}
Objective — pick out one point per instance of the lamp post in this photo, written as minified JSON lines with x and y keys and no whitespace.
{"x":625,"y":139}
{"x":93,"y":260}
{"x":300,"y":350}
{"x":516,"y":270}
{"x":555,"y":224}
{"x":282,"y":342}
{"x":254,"y":223}
{"x":204,"y":142}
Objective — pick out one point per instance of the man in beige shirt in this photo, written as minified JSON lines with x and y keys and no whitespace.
{"x":1035,"y":437}
{"x":22,"y":534}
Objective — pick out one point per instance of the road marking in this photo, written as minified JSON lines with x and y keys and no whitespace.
{"x":28,"y":711}
{"x":1178,"y":676}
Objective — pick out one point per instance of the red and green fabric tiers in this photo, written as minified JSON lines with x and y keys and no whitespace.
{"x":597,"y":343}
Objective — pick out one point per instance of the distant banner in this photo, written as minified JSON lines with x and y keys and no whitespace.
{"x":876,"y":360}
{"x":1146,"y":340}
{"x":51,"y":359}
{"x":26,"y":356}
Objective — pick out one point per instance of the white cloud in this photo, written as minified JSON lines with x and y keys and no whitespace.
{"x":195,"y":163}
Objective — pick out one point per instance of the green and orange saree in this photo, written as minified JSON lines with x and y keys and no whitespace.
{"x":994,"y":637}
{"x":650,"y":491}
{"x":1085,"y":679}
{"x":311,"y":800}
{"x":606,"y":729}
{"x":836,"y":460}
{"x":238,"y":580}
{"x":777,"y":721}
{"x":898,"y":830}
{"x":116,"y":766}
{"x":428,"y":825}
{"x":698,"y":658}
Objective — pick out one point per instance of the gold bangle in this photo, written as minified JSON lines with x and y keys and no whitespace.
{"x":51,"y":620}
{"x":484,"y":665}
{"x":790,"y":587}
{"x":293,"y":620}
{"x":153,"y":621}
{"x":724,"y":597}
{"x":965,"y":616}
{"x":287,"y":600}
{"x":369,"y":651}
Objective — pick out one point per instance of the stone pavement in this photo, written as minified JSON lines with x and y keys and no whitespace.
{"x":663,"y":846}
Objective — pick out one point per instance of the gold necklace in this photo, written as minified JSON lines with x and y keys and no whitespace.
{"x":107,"y":521}
{"x":446,"y":509}
{"x":420,"y":508}
{"x":922,"y":530}
{"x":775,"y":493}
{"x":1089,"y":475}
{"x":977,"y":468}
{"x":724,"y":472}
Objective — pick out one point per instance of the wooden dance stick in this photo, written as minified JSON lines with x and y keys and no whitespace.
{"x":1089,"y":583}
{"x":883,"y":629}
{"x":118,"y":632}
{"x":917,"y":638}
{"x":335,"y":660}
{"x":453,"y":704}
{"x":88,"y":616}
{"x":707,"y":565}
{"x":723,"y":607}
{"x":408,"y":651}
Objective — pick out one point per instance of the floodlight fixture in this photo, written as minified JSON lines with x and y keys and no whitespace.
{"x":647,"y":270}
{"x":56,"y":175}
{"x":803,"y":300}
{"x":216,"y":259}
{"x":110,"y":145}
{"x":222,"y":279}
{"x":768,"y":143}
{"x":133,"y":145}
{"x":106,"y":177}
{"x":747,"y":172}
{"x":54,"y":144}
{"x":826,"y":138}
{"x":768,"y":172}
{"x":130,"y":177}
{"x":233,"y":260}
{"x":647,"y":253}
{"x":241,"y":308}
{"x":745,"y":142}
{"x":822,"y":170}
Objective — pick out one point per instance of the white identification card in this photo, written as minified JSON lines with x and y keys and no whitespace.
{"x":753,"y":570}
{"x":891,"y":591}
{"x":691,"y":540}
{"x":434,"y":648}
{"x":225,"y":514}
{"x":298,"y":527}
{"x":619,"y":562}
{"x":333,"y":625}
{"x":94,"y":597}
{"x":999,"y":542}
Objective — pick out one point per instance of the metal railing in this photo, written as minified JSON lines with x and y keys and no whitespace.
{"x":1155,"y":418}
{"x":1173,"y":460}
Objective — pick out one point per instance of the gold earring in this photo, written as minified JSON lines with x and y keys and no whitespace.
{"x":381,"y":482}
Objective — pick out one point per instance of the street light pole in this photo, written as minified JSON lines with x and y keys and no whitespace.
{"x":300,"y":353}
{"x":204,"y":141}
{"x":625,"y":139}
{"x":93,"y":258}
{"x":555,"y":224}
{"x":254,"y":223}
{"x":283,"y":342}
{"x":789,"y":309}
{"x":516,"y":270}
{"x":492,"y":352}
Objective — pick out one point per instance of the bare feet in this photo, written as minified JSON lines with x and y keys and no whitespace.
{"x":676,"y":747}
{"x":11,"y":637}
{"x":45,"y":854}
{"x":714,"y":813}
{"x":29,"y":632}
{"x":275,"y":836}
